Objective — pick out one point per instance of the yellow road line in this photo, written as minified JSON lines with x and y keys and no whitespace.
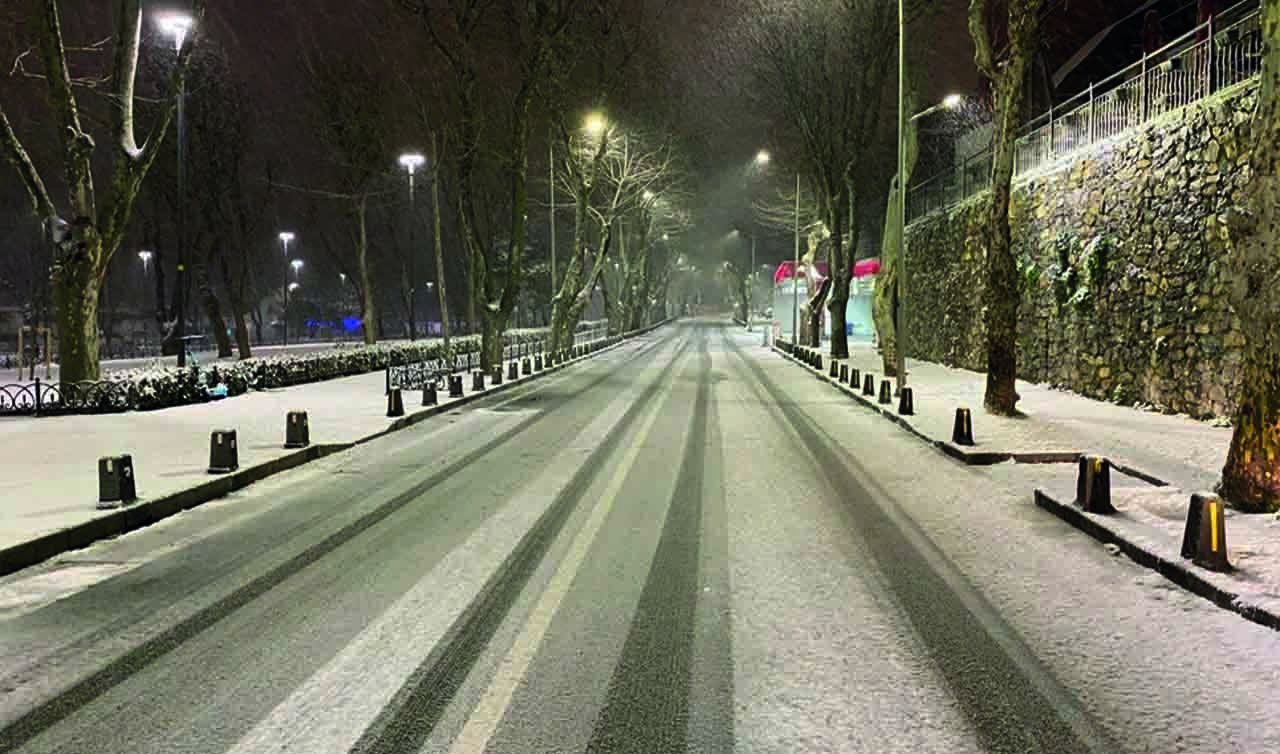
{"x":488,"y":713}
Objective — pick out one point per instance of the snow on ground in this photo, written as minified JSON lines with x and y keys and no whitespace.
{"x":1187,"y":453}
{"x":49,"y":477}
{"x":1177,"y":449}
{"x":1163,"y":669}
{"x":1154,"y":518}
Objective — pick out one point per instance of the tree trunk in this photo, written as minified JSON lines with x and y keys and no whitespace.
{"x":213,"y":310}
{"x":1002,"y":294}
{"x":841,"y":268}
{"x":235,"y":297}
{"x":884,"y":308}
{"x":75,"y":294}
{"x":1251,"y":478}
{"x":438,"y":228}
{"x":368,"y":304}
{"x":562,"y":319}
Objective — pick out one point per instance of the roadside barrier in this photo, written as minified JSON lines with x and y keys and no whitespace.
{"x":224,"y":453}
{"x":1204,"y":542}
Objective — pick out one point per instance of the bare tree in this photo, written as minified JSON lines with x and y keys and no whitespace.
{"x":610,"y":174}
{"x":529,"y":32}
{"x":98,"y":219}
{"x":1008,"y":77}
{"x":1251,"y":479}
{"x":826,"y":87}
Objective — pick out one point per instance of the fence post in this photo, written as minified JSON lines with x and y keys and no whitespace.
{"x":1052,"y":143}
{"x":39,"y":402}
{"x":1208,"y":68}
{"x":1091,"y":115}
{"x":1142,"y":93}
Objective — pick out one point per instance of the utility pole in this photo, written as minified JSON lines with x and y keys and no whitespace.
{"x":795,"y":275}
{"x":551,"y":211}
{"x":900,"y":276}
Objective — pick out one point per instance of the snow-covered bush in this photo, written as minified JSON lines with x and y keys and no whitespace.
{"x":162,"y":387}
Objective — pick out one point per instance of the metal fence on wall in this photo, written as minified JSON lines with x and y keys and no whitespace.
{"x":1224,"y":51}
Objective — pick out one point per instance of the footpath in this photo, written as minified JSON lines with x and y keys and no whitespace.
{"x":1158,"y":462}
{"x":49,"y":471}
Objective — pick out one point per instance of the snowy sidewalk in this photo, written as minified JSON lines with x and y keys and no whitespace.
{"x":48,"y":472}
{"x":1186,"y":454}
{"x":1177,"y":449}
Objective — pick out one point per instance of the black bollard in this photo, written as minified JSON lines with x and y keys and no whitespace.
{"x":455,"y":386}
{"x":537,"y":363}
{"x":526,"y":366}
{"x":297,"y":431}
{"x":430,"y":396}
{"x":962,"y":430}
{"x":116,"y":483}
{"x":224,"y":455}
{"x":834,"y":372}
{"x":817,"y":361}
{"x":513,"y":370}
{"x":855,"y":378}
{"x":906,"y":403}
{"x":1093,"y":485}
{"x":1204,"y":542}
{"x":886,"y":393}
{"x":496,"y":376}
{"x":395,"y":403}
{"x":869,"y":385}
{"x":844,"y":373}
{"x":477,"y":381}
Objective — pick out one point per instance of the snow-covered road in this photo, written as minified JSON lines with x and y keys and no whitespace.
{"x":685,"y":545}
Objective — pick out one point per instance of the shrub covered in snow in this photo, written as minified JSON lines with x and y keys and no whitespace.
{"x":163,"y":387}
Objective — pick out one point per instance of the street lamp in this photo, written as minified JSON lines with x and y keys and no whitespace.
{"x":411,"y":161}
{"x":763,"y":159}
{"x":177,"y":26}
{"x":286,"y":238}
{"x":595,"y":124}
{"x":145,"y":256}
{"x":297,"y":267}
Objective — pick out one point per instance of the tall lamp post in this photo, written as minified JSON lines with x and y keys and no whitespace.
{"x":178,"y":26}
{"x":286,"y":238}
{"x":411,"y":162}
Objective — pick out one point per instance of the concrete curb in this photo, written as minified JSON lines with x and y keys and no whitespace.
{"x":1186,"y":576}
{"x":147,"y":512}
{"x":962,"y":454}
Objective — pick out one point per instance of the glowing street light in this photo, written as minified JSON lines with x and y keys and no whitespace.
{"x":286,"y":237}
{"x":953,"y":101}
{"x":595,"y":124}
{"x":763,"y":157}
{"x":175,"y":25}
{"x":146,"y":257}
{"x":294,"y":286}
{"x":297,"y":266}
{"x":411,"y":161}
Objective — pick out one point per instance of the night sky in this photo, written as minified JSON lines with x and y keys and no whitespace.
{"x":679,"y":84}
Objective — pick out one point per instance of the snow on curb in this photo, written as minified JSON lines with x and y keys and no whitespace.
{"x":147,"y":512}
{"x":1162,"y":554}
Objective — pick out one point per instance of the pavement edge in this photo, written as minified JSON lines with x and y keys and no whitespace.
{"x":1173,"y":570}
{"x":147,"y":512}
